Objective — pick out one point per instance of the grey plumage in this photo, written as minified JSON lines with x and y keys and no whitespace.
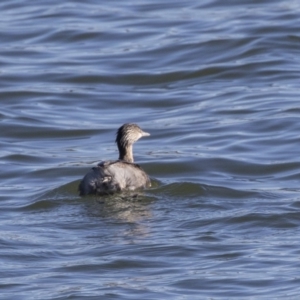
{"x":115,"y":176}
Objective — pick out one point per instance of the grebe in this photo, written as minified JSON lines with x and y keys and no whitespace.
{"x":119,"y":175}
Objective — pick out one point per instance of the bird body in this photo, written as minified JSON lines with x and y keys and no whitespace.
{"x":114,"y":176}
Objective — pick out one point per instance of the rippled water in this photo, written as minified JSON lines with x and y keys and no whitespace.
{"x":217,"y":86}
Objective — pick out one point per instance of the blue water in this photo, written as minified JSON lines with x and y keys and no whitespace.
{"x":217,"y":86}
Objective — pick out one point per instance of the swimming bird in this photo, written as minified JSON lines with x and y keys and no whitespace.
{"x":123,"y":174}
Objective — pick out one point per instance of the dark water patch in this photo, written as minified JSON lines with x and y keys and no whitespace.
{"x":296,"y":204}
{"x":21,"y":158}
{"x":204,"y":192}
{"x":263,"y":220}
{"x":42,"y":205}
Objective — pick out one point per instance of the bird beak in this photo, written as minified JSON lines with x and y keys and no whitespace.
{"x":145,"y":133}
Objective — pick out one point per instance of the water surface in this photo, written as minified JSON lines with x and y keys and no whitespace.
{"x":217,"y":86}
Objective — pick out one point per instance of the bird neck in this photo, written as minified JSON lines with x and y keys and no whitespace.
{"x":125,"y":153}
